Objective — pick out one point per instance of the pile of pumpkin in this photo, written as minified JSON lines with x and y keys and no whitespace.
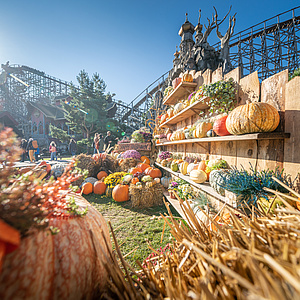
{"x":198,"y":171}
{"x":116,"y":185}
{"x":248,"y":118}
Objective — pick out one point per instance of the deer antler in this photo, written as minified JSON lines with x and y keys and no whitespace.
{"x":216,"y":15}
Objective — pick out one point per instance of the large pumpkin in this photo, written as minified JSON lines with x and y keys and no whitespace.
{"x":120,"y":193}
{"x":153,"y":172}
{"x":135,"y":170}
{"x":253,"y":117}
{"x":99,"y":188}
{"x":102,"y":174}
{"x":67,"y":265}
{"x":220,"y":126}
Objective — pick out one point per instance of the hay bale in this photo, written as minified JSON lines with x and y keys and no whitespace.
{"x":146,"y":196}
{"x":85,"y":162}
{"x":128,"y":163}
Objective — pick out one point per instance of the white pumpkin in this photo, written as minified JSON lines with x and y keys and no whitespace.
{"x":178,"y":107}
{"x":191,"y":167}
{"x":198,"y":176}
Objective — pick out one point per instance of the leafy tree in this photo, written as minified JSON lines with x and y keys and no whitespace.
{"x":59,"y":134}
{"x":86,"y":112}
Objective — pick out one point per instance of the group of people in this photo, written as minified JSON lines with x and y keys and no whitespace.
{"x":30,"y":149}
{"x":101,"y":144}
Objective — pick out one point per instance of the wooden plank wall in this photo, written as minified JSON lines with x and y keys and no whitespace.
{"x":263,"y":154}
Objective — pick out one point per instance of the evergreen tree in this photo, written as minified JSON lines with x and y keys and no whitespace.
{"x":86,"y":112}
{"x":59,"y":134}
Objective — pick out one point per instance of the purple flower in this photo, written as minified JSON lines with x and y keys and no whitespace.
{"x":165,"y":155}
{"x":131,"y":154}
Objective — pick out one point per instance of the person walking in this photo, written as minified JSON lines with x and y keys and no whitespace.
{"x":30,"y":149}
{"x":108,"y":140}
{"x":96,"y":143}
{"x":101,"y":143}
{"x":72,"y":147}
{"x":24,"y":151}
{"x":52,"y":150}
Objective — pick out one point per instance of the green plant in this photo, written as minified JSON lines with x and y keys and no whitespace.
{"x":250,"y":184}
{"x":294,"y":74}
{"x":221,"y":96}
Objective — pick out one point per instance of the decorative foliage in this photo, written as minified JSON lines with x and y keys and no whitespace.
{"x":27,"y":201}
{"x":250,"y":184}
{"x":221,"y":96}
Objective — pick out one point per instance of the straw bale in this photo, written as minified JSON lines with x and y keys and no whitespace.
{"x":147,"y":196}
{"x":128,"y":163}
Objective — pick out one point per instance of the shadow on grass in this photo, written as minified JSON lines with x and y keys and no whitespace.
{"x":150,"y":211}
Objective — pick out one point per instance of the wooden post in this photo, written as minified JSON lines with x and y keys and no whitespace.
{"x":292,"y":125}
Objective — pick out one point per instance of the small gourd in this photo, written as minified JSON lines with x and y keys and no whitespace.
{"x":177,"y":108}
{"x":187,"y":77}
{"x":211,"y":133}
{"x":183,"y":168}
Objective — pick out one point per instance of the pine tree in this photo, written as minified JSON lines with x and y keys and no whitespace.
{"x":86,"y":112}
{"x":59,"y":134}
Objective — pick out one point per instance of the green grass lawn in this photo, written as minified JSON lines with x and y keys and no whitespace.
{"x":133,"y":227}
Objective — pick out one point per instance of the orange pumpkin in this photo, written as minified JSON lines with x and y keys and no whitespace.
{"x":120,"y":193}
{"x":220,"y":126}
{"x":143,"y":166}
{"x":48,"y":266}
{"x":153,"y":172}
{"x":202,"y":166}
{"x":101,"y":174}
{"x":135,"y":170}
{"x":87,"y":188}
{"x":99,"y":187}
{"x":134,"y":180}
{"x":187,"y":77}
{"x":120,"y":161}
{"x":145,"y":160}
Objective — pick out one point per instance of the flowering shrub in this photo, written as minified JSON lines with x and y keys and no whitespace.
{"x":165,"y":155}
{"x":113,"y":179}
{"x":131,"y":154}
{"x":182,"y":188}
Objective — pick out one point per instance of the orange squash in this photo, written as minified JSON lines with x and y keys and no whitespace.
{"x":99,"y":188}
{"x":220,"y":126}
{"x":48,"y":266}
{"x":135,"y":170}
{"x":87,"y":188}
{"x":145,"y":160}
{"x":134,"y":180}
{"x":153,"y":172}
{"x":202,"y":166}
{"x":187,"y":77}
{"x":120,"y":193}
{"x":143,"y":166}
{"x":101,"y":174}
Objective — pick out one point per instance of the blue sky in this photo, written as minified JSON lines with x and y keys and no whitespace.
{"x":129,"y":43}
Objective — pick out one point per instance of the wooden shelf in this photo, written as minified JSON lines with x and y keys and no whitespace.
{"x":227,"y":138}
{"x":189,"y":111}
{"x":203,"y":186}
{"x":182,"y":90}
